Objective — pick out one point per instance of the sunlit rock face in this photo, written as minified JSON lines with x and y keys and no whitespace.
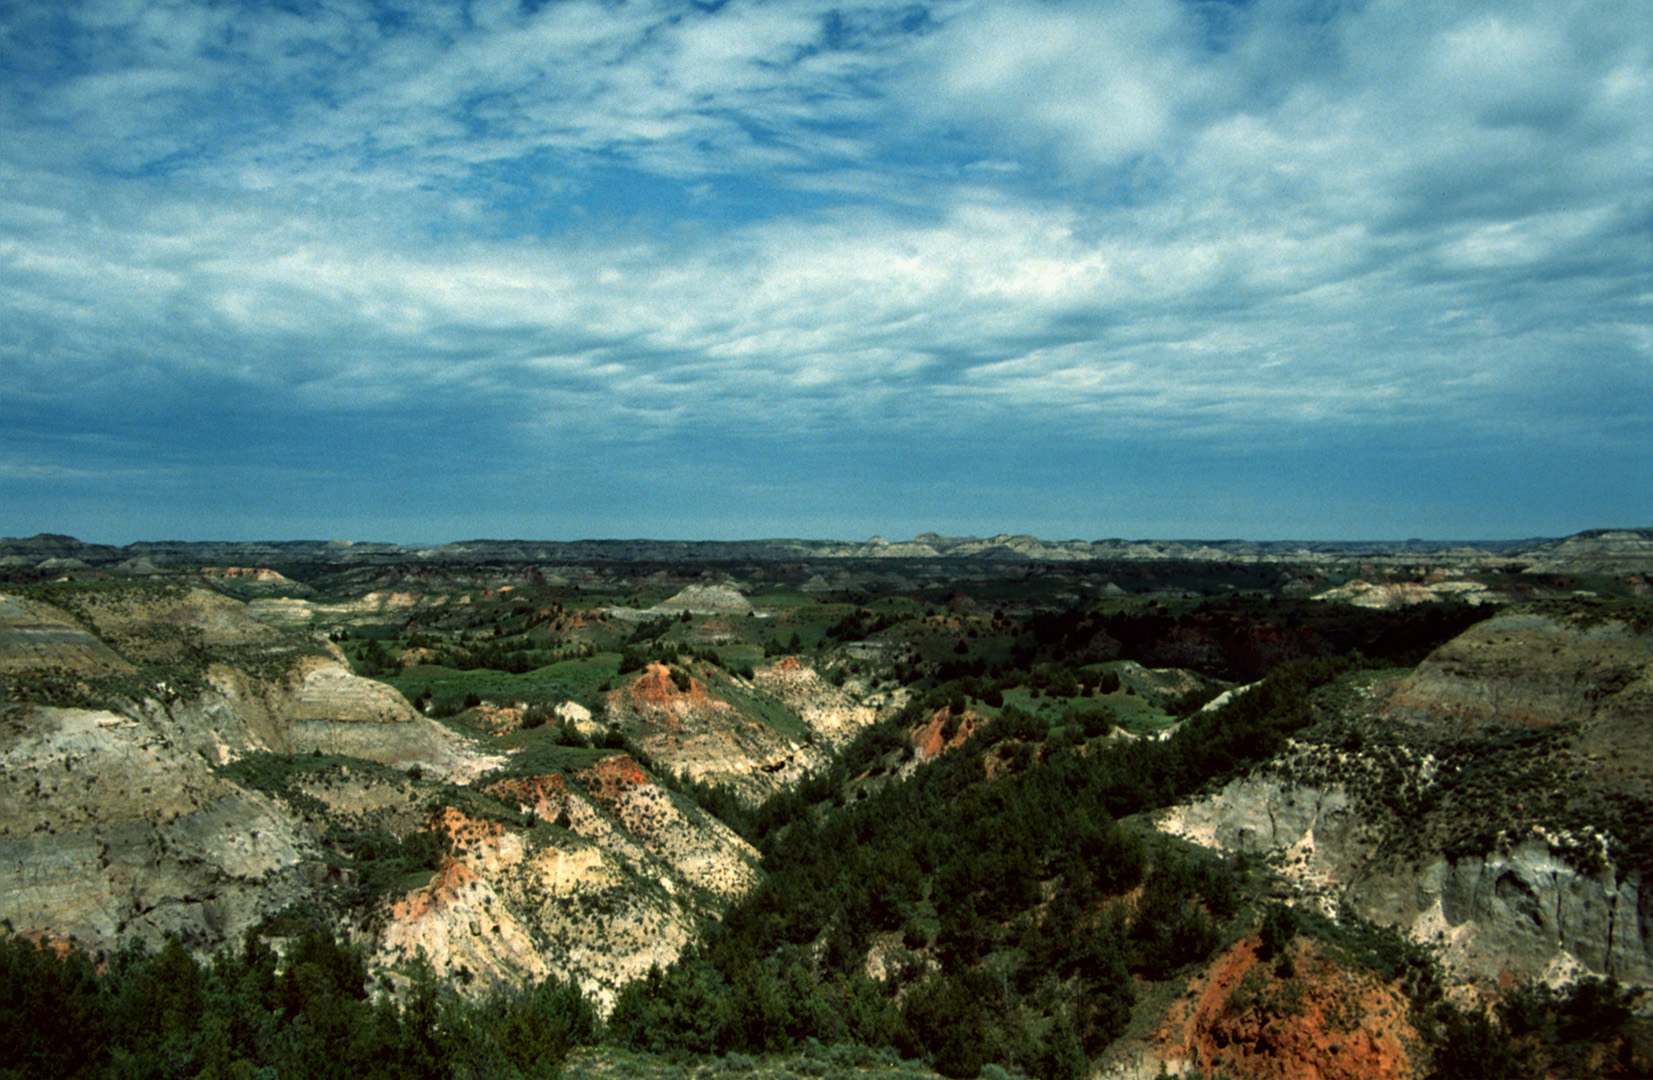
{"x":109,"y":830}
{"x":617,"y":884}
{"x":1481,"y":867}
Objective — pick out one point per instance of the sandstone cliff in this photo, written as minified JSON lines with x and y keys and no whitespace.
{"x":614,"y":879}
{"x":114,"y":822}
{"x":110,"y":830}
{"x":1494,"y":801}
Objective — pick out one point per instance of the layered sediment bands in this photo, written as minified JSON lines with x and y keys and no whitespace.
{"x":323,"y":706}
{"x":36,"y":637}
{"x":316,"y":706}
{"x":1531,"y":669}
{"x":172,"y":624}
{"x":1598,"y":551}
{"x":109,"y":831}
{"x":706,"y":600}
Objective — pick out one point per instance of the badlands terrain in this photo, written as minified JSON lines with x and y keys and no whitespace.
{"x":1046,"y":808}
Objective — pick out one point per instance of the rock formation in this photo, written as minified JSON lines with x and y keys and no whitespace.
{"x":110,"y":830}
{"x":615,"y":881}
{"x":1388,"y":595}
{"x":705,"y":600}
{"x":1322,"y":1020}
{"x":1503,"y":871}
{"x":37,"y":637}
{"x":754,"y":738}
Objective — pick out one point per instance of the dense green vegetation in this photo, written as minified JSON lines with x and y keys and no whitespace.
{"x":992,"y":904}
{"x":250,"y":1014}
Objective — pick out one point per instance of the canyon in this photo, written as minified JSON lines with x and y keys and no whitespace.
{"x":518,"y":760}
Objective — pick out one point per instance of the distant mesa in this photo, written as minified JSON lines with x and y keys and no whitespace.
{"x":706,"y":600}
{"x":694,"y":600}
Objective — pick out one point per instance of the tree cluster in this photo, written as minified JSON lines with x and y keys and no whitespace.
{"x":142,"y":1015}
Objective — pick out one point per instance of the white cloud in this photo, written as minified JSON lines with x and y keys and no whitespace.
{"x":1098,"y":83}
{"x":1080,"y":214}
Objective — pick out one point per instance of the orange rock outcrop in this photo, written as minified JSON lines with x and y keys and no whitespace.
{"x":1322,"y":1021}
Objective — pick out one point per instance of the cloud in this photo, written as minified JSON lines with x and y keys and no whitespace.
{"x":644,"y":223}
{"x":1099,"y":84}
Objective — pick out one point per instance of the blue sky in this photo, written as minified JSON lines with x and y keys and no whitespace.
{"x":421,"y":272}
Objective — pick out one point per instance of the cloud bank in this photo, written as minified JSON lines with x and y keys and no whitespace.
{"x":575,"y":268}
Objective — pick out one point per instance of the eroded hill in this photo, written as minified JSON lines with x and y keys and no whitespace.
{"x":1042,"y":811}
{"x":1494,"y":801}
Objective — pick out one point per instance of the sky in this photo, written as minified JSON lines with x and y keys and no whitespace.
{"x":416,"y":272}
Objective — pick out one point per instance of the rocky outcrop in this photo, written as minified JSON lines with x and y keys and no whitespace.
{"x":1241,"y":1016}
{"x":171,"y":624}
{"x":464,"y":928}
{"x":115,"y":824}
{"x":717,"y":729}
{"x":1162,"y":684}
{"x":1411,"y":821}
{"x":316,"y":706}
{"x":722,"y":600}
{"x":240,"y":684}
{"x":109,"y":830}
{"x":1319,"y":835}
{"x":700,"y":850}
{"x":705,"y":600}
{"x":754,"y":737}
{"x":244,"y":580}
{"x":36,"y":637}
{"x":834,"y":715}
{"x":617,"y":884}
{"x":1450,"y":805}
{"x":1529,"y":911}
{"x":1596,"y":551}
{"x":294,"y":612}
